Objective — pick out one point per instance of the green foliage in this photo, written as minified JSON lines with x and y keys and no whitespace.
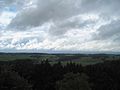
{"x":73,"y":82}
{"x":11,"y":80}
{"x":42,"y":75}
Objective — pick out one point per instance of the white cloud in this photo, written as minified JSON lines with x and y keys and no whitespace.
{"x":65,"y":25}
{"x":6,"y":17}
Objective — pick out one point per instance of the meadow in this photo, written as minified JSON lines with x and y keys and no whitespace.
{"x":84,"y":59}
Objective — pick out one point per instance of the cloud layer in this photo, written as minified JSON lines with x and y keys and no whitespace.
{"x":60,"y":25}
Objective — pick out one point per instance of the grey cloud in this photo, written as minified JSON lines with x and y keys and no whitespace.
{"x":60,"y":28}
{"x":18,"y":43}
{"x":58,"y":10}
{"x":101,"y":6}
{"x":4,"y":3}
{"x":5,"y":42}
{"x":108,"y":31}
{"x":7,"y":3}
{"x":46,"y":10}
{"x":60,"y":13}
{"x":18,"y":4}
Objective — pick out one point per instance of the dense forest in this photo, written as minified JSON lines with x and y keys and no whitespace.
{"x":34,"y":75}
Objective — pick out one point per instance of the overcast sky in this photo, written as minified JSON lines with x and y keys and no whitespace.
{"x":60,"y":25}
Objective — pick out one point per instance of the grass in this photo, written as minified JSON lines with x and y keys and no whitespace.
{"x":13,"y":57}
{"x":54,"y":58}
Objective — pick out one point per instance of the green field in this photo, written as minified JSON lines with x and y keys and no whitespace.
{"x":64,"y":58}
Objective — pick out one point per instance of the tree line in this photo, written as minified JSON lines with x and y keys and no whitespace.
{"x":34,"y":75}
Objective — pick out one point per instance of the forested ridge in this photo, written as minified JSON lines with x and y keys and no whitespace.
{"x":31,"y":75}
